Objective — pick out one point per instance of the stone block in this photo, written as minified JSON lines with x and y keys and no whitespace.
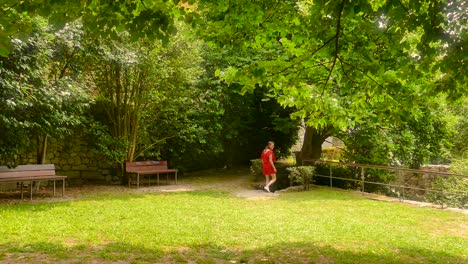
{"x":70,"y":173}
{"x":80,"y":167}
{"x":7,"y":187}
{"x":75,"y":182}
{"x":91,"y":175}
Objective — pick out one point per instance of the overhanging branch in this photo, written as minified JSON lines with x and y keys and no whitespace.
{"x":337,"y":37}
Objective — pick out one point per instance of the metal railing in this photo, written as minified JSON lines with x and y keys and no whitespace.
{"x":361,"y":180}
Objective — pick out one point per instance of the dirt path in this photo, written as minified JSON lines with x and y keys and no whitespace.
{"x":238,"y":182}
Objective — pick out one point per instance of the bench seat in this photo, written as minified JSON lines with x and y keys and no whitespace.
{"x":31,"y":173}
{"x":138,"y":168}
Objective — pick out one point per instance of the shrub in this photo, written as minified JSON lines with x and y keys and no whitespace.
{"x":256,"y":168}
{"x":453,"y":191}
{"x":302,"y":175}
{"x":338,"y":171}
{"x":332,"y":153}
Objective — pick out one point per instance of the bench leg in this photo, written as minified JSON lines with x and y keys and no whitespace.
{"x":63,"y":187}
{"x":149,"y":180}
{"x":167,"y":178}
{"x":22,"y":184}
{"x":54,"y":188}
{"x":158,"y":178}
{"x":31,"y":189}
{"x":138,"y":180}
{"x":175,"y":178}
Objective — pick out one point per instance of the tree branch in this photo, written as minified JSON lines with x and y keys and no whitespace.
{"x":362,"y":71}
{"x":337,"y":37}
{"x":152,"y":145}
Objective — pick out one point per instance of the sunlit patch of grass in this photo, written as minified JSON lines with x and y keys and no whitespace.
{"x":213,"y":226}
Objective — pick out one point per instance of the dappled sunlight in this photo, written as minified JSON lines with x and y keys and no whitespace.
{"x":295,"y":252}
{"x":317,"y":226}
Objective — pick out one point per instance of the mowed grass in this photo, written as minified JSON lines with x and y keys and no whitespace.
{"x":319,"y":226}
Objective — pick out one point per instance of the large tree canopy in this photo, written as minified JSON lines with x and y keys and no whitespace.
{"x":346,"y":63}
{"x":151,"y":19}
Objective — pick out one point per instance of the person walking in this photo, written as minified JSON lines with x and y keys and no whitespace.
{"x":268,"y":165}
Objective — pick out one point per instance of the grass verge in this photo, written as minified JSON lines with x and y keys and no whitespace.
{"x":318,"y":226}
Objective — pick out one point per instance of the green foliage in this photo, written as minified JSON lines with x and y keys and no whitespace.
{"x":422,"y":138}
{"x":367,"y":65}
{"x":332,"y":153}
{"x":256,"y":168}
{"x":105,"y":18}
{"x":452,"y":190}
{"x":302,"y":175}
{"x":339,"y":172}
{"x":37,"y":100}
{"x":239,"y":125}
{"x":460,"y":144}
{"x":113,"y":149}
{"x":459,"y":166}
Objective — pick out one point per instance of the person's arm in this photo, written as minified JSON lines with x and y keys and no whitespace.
{"x":271,"y":161}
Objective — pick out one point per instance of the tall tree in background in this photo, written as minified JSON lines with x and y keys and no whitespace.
{"x":101,"y":18}
{"x":41,"y":97}
{"x":345,"y":63}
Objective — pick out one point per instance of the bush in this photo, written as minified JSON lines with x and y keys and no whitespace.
{"x":453,"y":191}
{"x":332,"y":153}
{"x":301,"y":175}
{"x":256,"y":168}
{"x":338,"y":171}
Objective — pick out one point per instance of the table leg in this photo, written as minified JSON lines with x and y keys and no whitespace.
{"x":176,"y":177}
{"x":138,"y":180}
{"x":167,"y":178}
{"x":54,"y":188}
{"x":22,"y":184}
{"x":158,"y":178}
{"x":63,"y":187}
{"x":31,"y":189}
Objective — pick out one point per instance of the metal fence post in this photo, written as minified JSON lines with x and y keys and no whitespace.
{"x":400,"y":178}
{"x":362,"y":179}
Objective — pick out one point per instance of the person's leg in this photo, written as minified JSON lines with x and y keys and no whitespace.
{"x":267,"y":179}
{"x":273,"y":180}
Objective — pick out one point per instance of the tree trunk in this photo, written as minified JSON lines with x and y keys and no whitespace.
{"x":41,"y":149}
{"x":312,"y":146}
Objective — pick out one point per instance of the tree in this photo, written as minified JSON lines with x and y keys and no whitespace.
{"x":344,"y":63}
{"x":102,"y":18}
{"x":38,"y":101}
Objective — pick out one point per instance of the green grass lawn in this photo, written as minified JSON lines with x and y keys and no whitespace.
{"x":319,"y":226}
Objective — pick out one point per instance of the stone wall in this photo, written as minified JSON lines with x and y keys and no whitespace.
{"x":74,"y":157}
{"x":422,"y":181}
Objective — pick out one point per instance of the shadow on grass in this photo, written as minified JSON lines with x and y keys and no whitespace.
{"x":35,"y":206}
{"x":209,"y":253}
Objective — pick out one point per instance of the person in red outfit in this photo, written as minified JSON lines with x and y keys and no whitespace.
{"x":268,"y":162}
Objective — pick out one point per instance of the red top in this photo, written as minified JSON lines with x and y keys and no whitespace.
{"x":267,"y":167}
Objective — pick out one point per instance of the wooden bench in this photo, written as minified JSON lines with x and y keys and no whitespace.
{"x":31,"y":173}
{"x":149,"y":168}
